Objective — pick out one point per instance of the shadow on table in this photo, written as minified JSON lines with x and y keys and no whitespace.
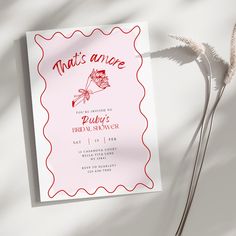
{"x":123,"y":222}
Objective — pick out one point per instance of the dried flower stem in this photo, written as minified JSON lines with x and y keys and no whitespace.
{"x":193,"y":182}
{"x":230,"y":73}
{"x":211,"y":118}
{"x":199,"y":49}
{"x":206,"y":127}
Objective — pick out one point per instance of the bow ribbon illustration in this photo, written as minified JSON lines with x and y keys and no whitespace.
{"x":82,"y":97}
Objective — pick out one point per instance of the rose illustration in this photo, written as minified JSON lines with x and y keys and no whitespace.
{"x":96,"y":82}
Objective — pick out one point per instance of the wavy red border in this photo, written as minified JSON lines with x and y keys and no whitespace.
{"x":45,"y":82}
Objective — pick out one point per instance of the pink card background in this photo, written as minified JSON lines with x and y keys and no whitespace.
{"x":124,"y":98}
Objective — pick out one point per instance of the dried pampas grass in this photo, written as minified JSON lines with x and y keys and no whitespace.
{"x":198,"y":48}
{"x":200,"y":51}
{"x":232,"y":66}
{"x":206,"y":122}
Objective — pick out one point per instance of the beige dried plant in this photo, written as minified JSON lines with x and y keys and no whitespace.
{"x":206,"y":122}
{"x":232,"y":66}
{"x":198,"y":48}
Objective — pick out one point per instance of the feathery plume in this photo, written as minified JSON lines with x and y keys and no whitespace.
{"x":198,"y":48}
{"x":232,"y":66}
{"x":211,"y":51}
{"x":207,"y":121}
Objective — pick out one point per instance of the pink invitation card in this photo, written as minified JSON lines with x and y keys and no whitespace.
{"x":93,"y":110}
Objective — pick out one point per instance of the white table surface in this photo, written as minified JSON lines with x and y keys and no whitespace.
{"x":179,"y":93}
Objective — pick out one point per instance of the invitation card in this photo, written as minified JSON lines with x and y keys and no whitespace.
{"x":93,"y":110}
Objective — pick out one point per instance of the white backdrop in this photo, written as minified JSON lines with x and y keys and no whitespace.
{"x":179,"y":91}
